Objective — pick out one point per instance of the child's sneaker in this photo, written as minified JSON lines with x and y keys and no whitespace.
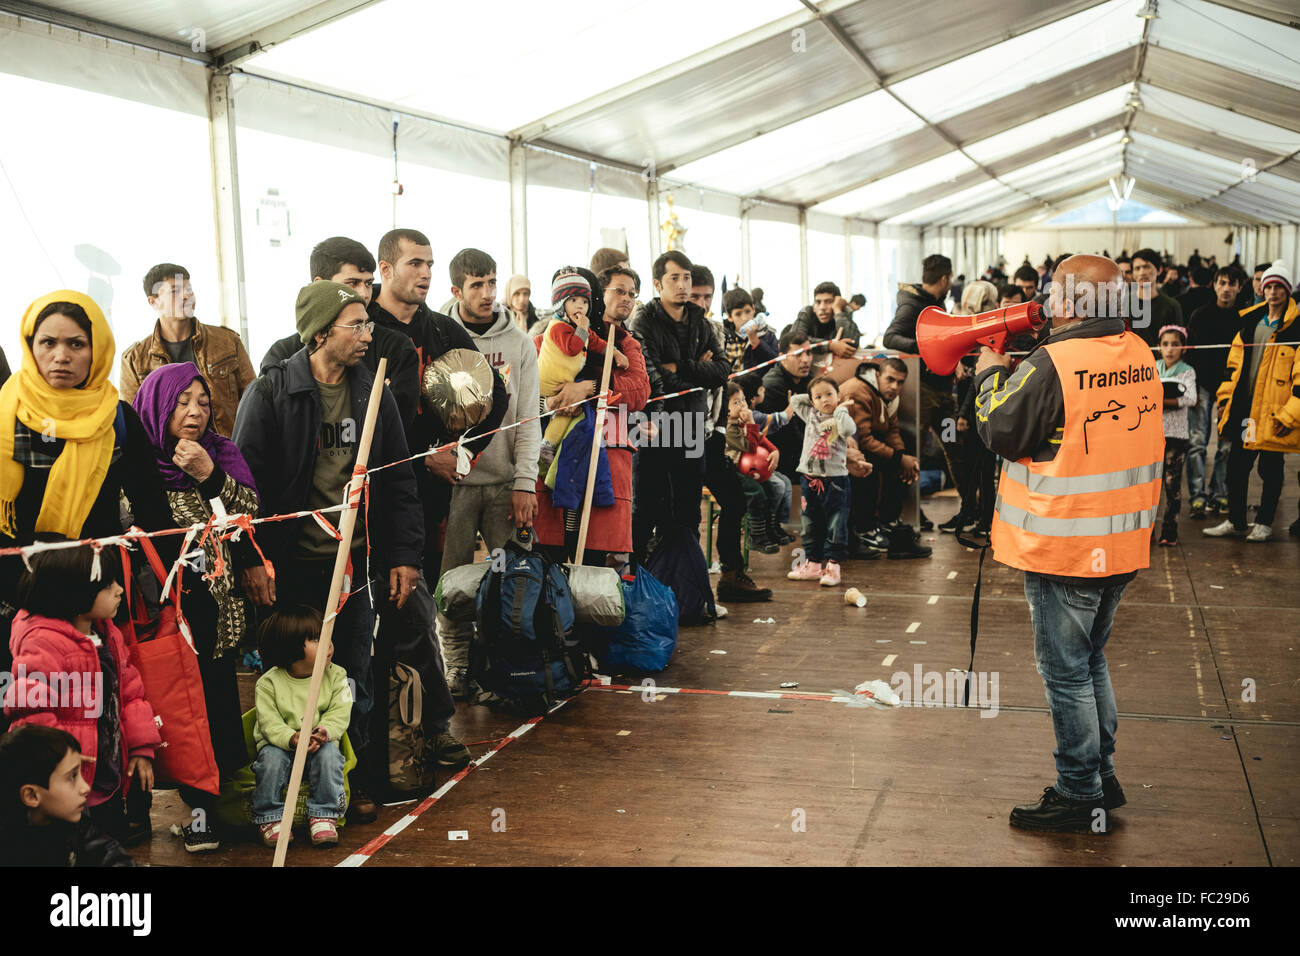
{"x":1259,"y":532}
{"x":199,"y":841}
{"x":808,"y":571}
{"x":323,"y":832}
{"x":271,"y":833}
{"x":831,"y":576}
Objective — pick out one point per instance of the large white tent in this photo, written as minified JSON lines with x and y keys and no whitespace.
{"x":800,"y":141}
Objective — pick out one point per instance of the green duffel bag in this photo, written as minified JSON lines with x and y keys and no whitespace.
{"x":234,"y":805}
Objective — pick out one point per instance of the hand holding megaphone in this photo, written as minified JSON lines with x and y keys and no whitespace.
{"x":944,"y":339}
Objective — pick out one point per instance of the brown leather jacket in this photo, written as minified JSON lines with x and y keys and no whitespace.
{"x":878,"y":433}
{"x":220,"y":356}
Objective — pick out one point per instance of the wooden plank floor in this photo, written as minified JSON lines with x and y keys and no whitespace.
{"x":614,"y":779}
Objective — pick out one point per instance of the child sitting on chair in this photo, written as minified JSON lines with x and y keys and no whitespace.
{"x":290,"y":640}
{"x":564,"y":352}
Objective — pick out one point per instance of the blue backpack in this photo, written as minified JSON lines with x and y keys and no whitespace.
{"x":523,"y":650}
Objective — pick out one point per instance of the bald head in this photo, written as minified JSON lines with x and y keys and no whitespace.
{"x":1085,"y":287}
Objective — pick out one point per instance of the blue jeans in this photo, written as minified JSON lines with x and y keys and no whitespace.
{"x":1201,"y":419}
{"x":1071,"y":624}
{"x":778,"y":490}
{"x":324,"y":778}
{"x":825,"y":522}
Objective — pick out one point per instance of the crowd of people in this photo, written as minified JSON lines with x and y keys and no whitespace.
{"x":731,"y":404}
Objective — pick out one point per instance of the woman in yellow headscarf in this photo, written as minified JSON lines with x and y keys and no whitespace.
{"x":68,"y":447}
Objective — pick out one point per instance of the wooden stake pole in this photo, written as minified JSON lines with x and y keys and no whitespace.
{"x":346,"y":527}
{"x":595,"y":444}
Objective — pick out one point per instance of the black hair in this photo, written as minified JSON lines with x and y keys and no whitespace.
{"x":826,"y":288}
{"x":161,"y":273}
{"x":605,"y":257}
{"x":661,"y":264}
{"x":1123,"y":259}
{"x":331,"y":255}
{"x":1233,"y":274}
{"x":390,"y":246}
{"x":934,"y":268}
{"x":283,"y":636}
{"x":73,"y":311}
{"x":470,"y":262}
{"x":734,"y":299}
{"x":1026,"y":272}
{"x":1008,"y":289}
{"x":59,"y":583}
{"x":750,"y":383}
{"x":701,"y":276}
{"x":1182,"y":339}
{"x":735,"y":388}
{"x":896,"y":363}
{"x":29,"y":755}
{"x":1202,"y":275}
{"x":1263,"y":267}
{"x":1151,"y":256}
{"x":612,"y":271}
{"x":858,"y":299}
{"x":791,"y":337}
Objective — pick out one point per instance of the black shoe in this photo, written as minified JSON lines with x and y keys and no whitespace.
{"x":873,"y":542}
{"x":200,"y":841}
{"x":779,"y":533}
{"x":926,"y":523}
{"x":1197,"y":508}
{"x":1112,"y":794}
{"x":903,"y":543}
{"x":1055,"y":813}
{"x":740,"y":587}
{"x":361,"y":808}
{"x":760,"y":536}
{"x":953,"y":525}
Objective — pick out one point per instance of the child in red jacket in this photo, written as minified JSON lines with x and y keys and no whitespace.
{"x":71,"y":671}
{"x":756,"y":459}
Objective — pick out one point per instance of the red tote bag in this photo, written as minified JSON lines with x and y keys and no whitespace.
{"x":169,"y":667}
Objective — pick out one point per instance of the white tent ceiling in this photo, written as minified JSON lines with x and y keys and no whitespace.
{"x":994,"y":113}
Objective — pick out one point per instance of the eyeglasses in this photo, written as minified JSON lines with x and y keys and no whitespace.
{"x":360,"y":327}
{"x":621,"y":292}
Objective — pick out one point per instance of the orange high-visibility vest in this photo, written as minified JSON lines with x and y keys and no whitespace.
{"x":1088,"y":512}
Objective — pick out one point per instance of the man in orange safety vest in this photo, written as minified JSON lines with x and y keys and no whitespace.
{"x":1078,"y":424}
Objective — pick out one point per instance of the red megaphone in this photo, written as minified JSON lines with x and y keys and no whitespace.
{"x":943,"y":339}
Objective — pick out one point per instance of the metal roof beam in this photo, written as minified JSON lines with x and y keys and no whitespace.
{"x":232,"y":54}
{"x":73,"y":21}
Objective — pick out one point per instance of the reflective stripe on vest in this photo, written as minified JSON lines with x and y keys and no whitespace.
{"x":1076,"y":527}
{"x":1088,"y":511}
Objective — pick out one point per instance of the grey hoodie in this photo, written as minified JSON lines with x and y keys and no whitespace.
{"x":511,"y":456}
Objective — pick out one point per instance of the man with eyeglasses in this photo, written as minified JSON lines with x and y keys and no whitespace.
{"x":299,"y":427}
{"x":348,"y":262}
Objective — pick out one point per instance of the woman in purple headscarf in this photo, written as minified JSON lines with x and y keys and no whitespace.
{"x":198,"y":465}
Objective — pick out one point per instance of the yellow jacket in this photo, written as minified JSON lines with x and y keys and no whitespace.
{"x":1277,"y":385}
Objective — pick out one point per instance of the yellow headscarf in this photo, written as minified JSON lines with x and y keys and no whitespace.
{"x":82,"y":417}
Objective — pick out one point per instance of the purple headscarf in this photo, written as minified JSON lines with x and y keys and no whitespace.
{"x":156,"y":401}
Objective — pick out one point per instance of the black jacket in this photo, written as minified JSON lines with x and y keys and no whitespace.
{"x":432,"y":333}
{"x":1211,"y":325}
{"x":277,"y":429}
{"x":402,"y":376}
{"x":60,"y":844}
{"x":901,"y":334}
{"x":806,"y":322}
{"x":657,"y":333}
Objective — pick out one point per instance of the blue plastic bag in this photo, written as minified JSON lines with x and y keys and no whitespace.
{"x":646,"y":639}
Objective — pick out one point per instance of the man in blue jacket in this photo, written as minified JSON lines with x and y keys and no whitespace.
{"x":298,"y":427}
